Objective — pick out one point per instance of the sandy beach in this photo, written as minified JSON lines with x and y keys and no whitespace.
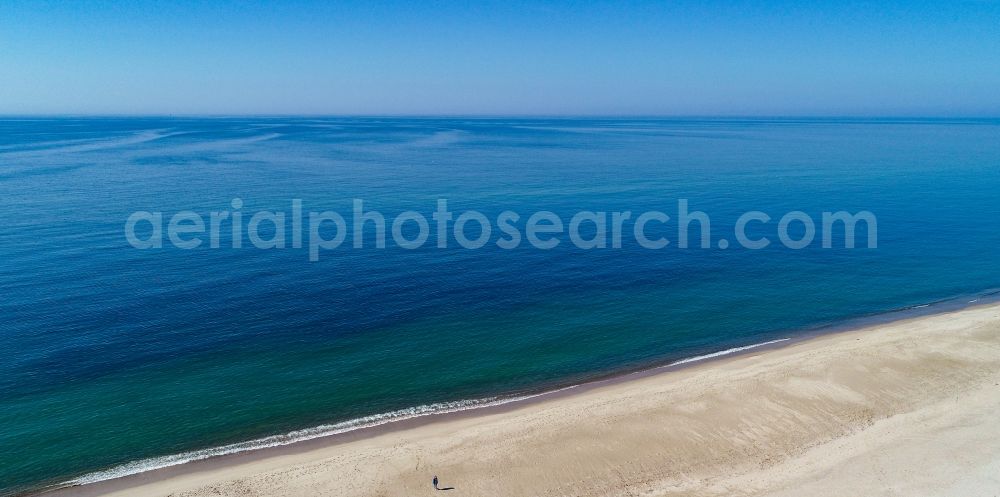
{"x":904,"y":408}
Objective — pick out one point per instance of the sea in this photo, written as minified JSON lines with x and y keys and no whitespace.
{"x":118,"y":356}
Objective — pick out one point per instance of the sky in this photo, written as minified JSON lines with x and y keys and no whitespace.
{"x":572,"y":58}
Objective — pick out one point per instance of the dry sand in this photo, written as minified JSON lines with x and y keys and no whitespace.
{"x":908,"y":408}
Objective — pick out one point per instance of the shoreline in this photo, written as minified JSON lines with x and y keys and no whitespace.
{"x":478,"y":407}
{"x":707,"y":362}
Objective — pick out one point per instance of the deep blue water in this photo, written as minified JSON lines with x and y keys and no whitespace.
{"x":112,"y":354}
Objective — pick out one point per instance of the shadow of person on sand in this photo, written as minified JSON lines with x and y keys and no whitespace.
{"x":435,"y":483}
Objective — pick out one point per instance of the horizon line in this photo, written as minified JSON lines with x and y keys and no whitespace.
{"x":500,"y":116}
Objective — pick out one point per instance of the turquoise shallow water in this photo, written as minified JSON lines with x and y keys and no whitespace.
{"x":113,"y":354}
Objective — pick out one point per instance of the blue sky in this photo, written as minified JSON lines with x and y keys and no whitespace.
{"x":501,"y":58}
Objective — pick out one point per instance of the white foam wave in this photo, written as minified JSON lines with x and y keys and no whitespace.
{"x":154,"y":463}
{"x":144,"y":465}
{"x":725,"y":352}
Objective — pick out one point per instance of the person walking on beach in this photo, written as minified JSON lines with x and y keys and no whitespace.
{"x":435,"y":481}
